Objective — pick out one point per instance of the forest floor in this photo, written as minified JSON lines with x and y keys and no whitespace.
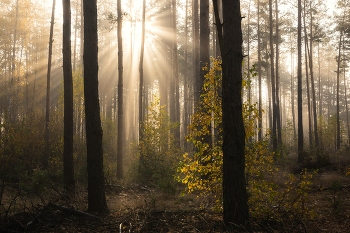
{"x":139,"y":208}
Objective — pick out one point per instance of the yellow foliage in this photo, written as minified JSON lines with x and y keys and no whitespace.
{"x":263,"y":193}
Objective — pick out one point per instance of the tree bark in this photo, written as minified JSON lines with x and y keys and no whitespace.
{"x":313,"y":83}
{"x":68,"y":163}
{"x":47,"y":116}
{"x":186,"y":95}
{"x":292,"y":87}
{"x":300,"y":102}
{"x":175,"y":75}
{"x":234,"y":185}
{"x":274,"y":110}
{"x":141,"y":71}
{"x":196,"y":53}
{"x":307,"y":79}
{"x":338,"y":73}
{"x":278,"y":109}
{"x":96,"y":188}
{"x":120,"y":141}
{"x":259,"y":73}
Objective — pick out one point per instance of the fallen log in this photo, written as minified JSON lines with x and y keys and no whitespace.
{"x":72,"y":211}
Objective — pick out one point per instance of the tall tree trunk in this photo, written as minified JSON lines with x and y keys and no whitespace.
{"x":259,"y":73}
{"x":274,"y":111}
{"x":175,"y":75}
{"x":82,"y":34}
{"x":120,"y":152}
{"x":141,"y":71}
{"x":307,"y":78}
{"x":248,"y":61}
{"x":292,"y":88}
{"x":47,"y":118}
{"x":278,"y":109}
{"x":75,"y":37}
{"x":13,"y":66}
{"x":313,"y":83}
{"x":68,"y":163}
{"x":346,"y":108}
{"x":234,"y":184}
{"x":196,"y":53}
{"x":300,"y":101}
{"x":320,"y":111}
{"x":96,"y":183}
{"x":204,"y":62}
{"x":338,"y":73}
{"x":186,"y":96}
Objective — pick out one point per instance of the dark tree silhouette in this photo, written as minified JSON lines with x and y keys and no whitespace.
{"x":68,"y":164}
{"x":300,"y":101}
{"x":48,"y":89}
{"x":96,"y":188}
{"x":120,"y":151}
{"x":234,"y":184}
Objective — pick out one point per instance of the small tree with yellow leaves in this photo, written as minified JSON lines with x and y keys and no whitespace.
{"x":264,"y":197}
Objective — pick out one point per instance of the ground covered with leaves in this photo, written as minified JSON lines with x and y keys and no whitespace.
{"x":139,"y":208}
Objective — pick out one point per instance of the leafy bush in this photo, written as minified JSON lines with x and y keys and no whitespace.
{"x":157,"y":156}
{"x":264,"y":194}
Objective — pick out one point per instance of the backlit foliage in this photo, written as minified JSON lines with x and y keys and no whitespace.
{"x":157,"y":157}
{"x":265,"y":197}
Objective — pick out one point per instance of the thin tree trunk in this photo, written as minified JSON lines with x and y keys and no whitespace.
{"x":338,"y":73}
{"x":274,"y":111}
{"x":300,"y":101}
{"x":259,"y":73}
{"x":82,"y":34}
{"x":313,"y":83}
{"x":176,"y":76}
{"x":68,"y":164}
{"x":204,"y":62}
{"x":346,"y":108}
{"x":141,"y":71}
{"x":278,"y":109}
{"x":186,"y":96}
{"x":196,"y":53}
{"x":307,"y":79}
{"x":320,"y":111}
{"x":13,"y":66}
{"x":75,"y":38}
{"x":248,"y":57}
{"x":47,"y":118}
{"x":120,"y":152}
{"x":292,"y":89}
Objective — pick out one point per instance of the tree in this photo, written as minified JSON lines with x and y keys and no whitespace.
{"x":175,"y":115}
{"x":204,"y":54}
{"x":68,"y":164}
{"x":47,"y":117}
{"x":96,"y":188}
{"x":274,"y":108}
{"x":338,"y":74}
{"x":300,"y":102}
{"x":120,"y":95}
{"x":234,"y":184}
{"x":141,"y":69}
{"x":186,"y":84}
{"x":312,"y":82}
{"x":278,"y":111}
{"x":195,"y":25}
{"x":307,"y":77}
{"x":259,"y":73}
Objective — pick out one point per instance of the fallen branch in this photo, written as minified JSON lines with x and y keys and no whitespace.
{"x":72,"y":211}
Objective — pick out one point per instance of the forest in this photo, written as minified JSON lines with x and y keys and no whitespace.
{"x":174,"y":116}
